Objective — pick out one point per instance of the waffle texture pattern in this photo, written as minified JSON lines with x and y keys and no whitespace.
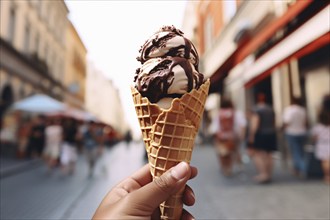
{"x":169,"y":136}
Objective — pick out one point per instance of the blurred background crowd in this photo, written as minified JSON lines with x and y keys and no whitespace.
{"x":243,"y":53}
{"x":268,"y":63}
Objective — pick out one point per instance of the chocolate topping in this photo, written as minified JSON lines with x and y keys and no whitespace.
{"x":156,"y":46}
{"x":156,"y":83}
{"x":169,"y":66}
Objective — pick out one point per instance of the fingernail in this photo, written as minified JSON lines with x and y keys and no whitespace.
{"x":180,"y":171}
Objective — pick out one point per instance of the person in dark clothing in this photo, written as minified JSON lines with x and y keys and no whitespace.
{"x":69,"y":150}
{"x":36,"y":141}
{"x":263,"y":138}
{"x":92,"y":146}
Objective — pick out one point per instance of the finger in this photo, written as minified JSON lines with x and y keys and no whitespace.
{"x":142,"y":176}
{"x":194,"y":172}
{"x":136,"y":180}
{"x":188,"y":196}
{"x":154,"y":193}
{"x":186,"y":215}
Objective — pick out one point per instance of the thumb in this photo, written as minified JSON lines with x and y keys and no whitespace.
{"x":151,"y":195}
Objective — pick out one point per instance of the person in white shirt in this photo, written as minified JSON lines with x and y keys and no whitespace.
{"x":295,"y":127}
{"x":53,"y":133}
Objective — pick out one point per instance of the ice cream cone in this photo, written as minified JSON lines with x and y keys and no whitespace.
{"x":169,"y":136}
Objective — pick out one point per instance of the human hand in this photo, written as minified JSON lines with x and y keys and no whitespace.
{"x":138,"y":197}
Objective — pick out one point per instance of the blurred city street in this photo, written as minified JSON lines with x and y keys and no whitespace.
{"x":82,"y":83}
{"x":35,"y":194}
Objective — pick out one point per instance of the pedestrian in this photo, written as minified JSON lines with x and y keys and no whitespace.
{"x":128,"y":137}
{"x":321,"y":135}
{"x":230,"y":125}
{"x":23,"y":137}
{"x":81,"y":128}
{"x":109,"y":135}
{"x":262,"y":136}
{"x":53,"y":135}
{"x":138,"y":197}
{"x":100,"y":140}
{"x":249,"y":146}
{"x":69,"y":155}
{"x":36,"y":140}
{"x":91,"y":146}
{"x":295,"y":128}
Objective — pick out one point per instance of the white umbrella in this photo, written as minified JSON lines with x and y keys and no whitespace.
{"x":75,"y":113}
{"x":80,"y":114}
{"x":39,"y":103}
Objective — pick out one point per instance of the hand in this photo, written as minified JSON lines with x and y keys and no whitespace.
{"x":138,"y":197}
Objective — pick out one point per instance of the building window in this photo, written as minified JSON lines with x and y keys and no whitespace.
{"x":49,"y":61}
{"x":39,"y":8}
{"x":208,"y":33}
{"x":45,"y":51}
{"x":21,"y":91}
{"x":45,"y":10}
{"x":53,"y":24}
{"x":41,"y":49}
{"x":27,"y":38}
{"x":78,"y":63}
{"x":55,"y":72}
{"x":59,"y":69}
{"x":48,"y":15}
{"x":37,"y":44}
{"x":230,"y":8}
{"x":12,"y":24}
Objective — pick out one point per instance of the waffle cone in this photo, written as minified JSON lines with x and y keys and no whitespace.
{"x":169,"y":136}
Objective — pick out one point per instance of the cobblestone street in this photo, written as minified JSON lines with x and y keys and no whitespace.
{"x":35,"y":195}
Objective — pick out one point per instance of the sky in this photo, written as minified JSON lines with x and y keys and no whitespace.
{"x":113,"y":32}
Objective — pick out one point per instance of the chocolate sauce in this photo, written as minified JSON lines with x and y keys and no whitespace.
{"x":155,"y":84}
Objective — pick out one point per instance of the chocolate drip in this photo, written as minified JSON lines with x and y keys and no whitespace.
{"x":156,"y":84}
{"x":187,"y":48}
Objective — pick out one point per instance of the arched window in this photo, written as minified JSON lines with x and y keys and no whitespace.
{"x":7,"y":95}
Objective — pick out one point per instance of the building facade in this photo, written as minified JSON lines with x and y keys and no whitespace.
{"x":283,"y":51}
{"x":37,"y":40}
{"x":280,"y":48}
{"x":107,"y":107}
{"x":75,"y":69}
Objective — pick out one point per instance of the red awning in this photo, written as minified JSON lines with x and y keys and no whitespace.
{"x":313,"y":46}
{"x":244,"y":50}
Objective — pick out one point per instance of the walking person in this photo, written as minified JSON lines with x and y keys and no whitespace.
{"x":321,"y":136}
{"x":36,"y":140}
{"x":53,"y":135}
{"x":91,"y":146}
{"x":69,"y":154}
{"x":23,"y":137}
{"x":228,"y":128}
{"x":295,"y":128}
{"x":101,"y":150}
{"x":262,"y":138}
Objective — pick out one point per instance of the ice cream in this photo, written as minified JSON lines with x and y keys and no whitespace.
{"x":169,"y":95}
{"x":168,"y":41}
{"x":169,"y":67}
